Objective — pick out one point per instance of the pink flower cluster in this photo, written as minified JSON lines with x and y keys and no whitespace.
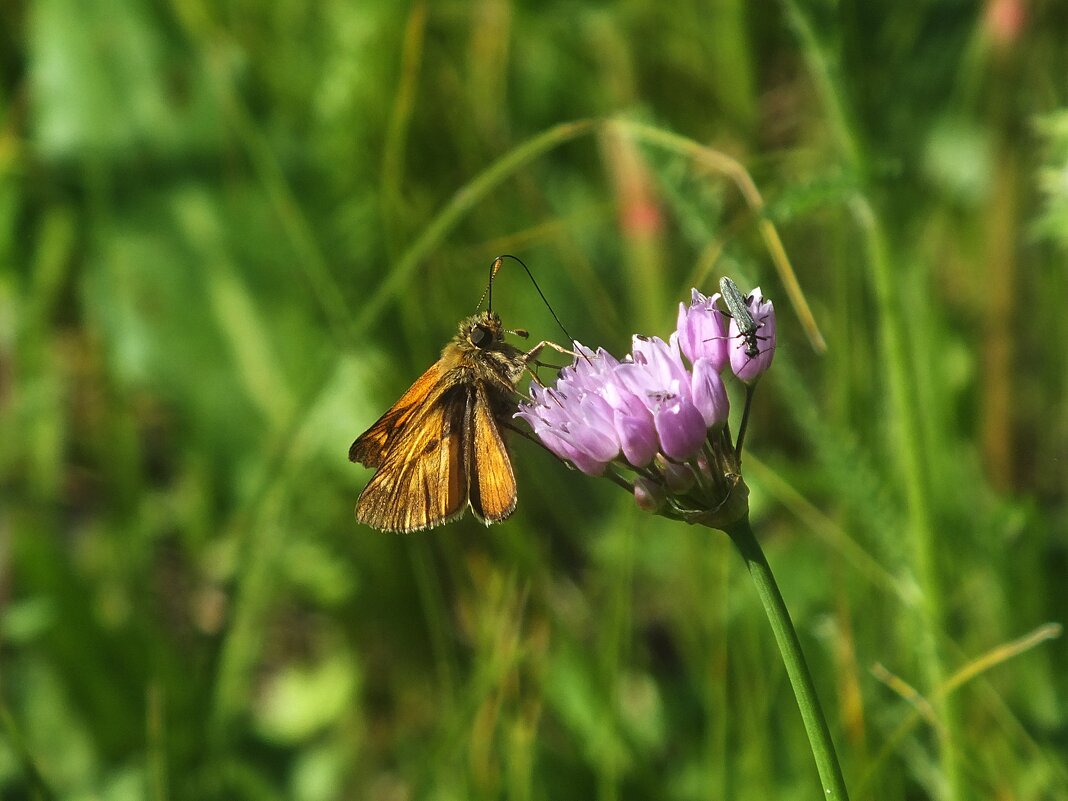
{"x":652,"y":401}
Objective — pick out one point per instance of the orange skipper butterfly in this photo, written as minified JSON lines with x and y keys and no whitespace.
{"x":440,"y":448}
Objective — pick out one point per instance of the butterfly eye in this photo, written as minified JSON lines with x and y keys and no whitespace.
{"x":481,"y":337}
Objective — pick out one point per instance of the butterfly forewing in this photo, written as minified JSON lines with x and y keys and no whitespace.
{"x":371,"y":446}
{"x":421,"y":481}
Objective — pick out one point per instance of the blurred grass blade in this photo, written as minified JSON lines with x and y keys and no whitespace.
{"x":469,"y":195}
{"x":720,"y":162}
{"x":923,"y":709}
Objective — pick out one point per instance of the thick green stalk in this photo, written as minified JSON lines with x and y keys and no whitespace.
{"x":819,"y":735}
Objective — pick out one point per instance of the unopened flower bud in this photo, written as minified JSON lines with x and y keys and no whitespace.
{"x":677,"y":477}
{"x":649,"y":495}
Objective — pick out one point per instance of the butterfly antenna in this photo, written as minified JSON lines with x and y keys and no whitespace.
{"x":497,"y":265}
{"x":489,"y":285}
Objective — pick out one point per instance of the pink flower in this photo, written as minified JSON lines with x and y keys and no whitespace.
{"x":656,"y":415}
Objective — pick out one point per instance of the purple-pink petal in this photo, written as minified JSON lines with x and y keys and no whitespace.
{"x":563,"y":445}
{"x":587,"y":464}
{"x":649,"y":387}
{"x":681,"y":429}
{"x":591,"y":369}
{"x":709,"y":393}
{"x":701,"y":331}
{"x":661,"y":360}
{"x":573,"y":420}
{"x":593,"y":432}
{"x":637,"y":437}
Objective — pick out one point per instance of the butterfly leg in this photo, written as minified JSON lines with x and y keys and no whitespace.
{"x":534,"y":375}
{"x":531,"y":355}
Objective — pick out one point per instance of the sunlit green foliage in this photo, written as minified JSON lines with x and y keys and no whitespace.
{"x":231,"y":233}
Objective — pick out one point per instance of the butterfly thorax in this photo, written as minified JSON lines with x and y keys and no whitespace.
{"x":482,"y":349}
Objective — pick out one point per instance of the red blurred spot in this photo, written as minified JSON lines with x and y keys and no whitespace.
{"x":641,"y":218}
{"x":1004,"y":19}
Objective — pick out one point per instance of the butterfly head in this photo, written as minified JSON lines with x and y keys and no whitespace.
{"x":483,"y":331}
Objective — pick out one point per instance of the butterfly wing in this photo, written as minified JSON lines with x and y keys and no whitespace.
{"x":421,"y":479}
{"x":371,"y":446}
{"x":491,"y":481}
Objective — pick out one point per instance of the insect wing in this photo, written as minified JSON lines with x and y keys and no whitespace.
{"x":370,"y":447}
{"x":492,"y":482}
{"x":736,"y":303}
{"x":742,"y":322}
{"x":421,"y":479}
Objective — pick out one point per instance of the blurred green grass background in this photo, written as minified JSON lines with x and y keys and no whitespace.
{"x":232,"y":233}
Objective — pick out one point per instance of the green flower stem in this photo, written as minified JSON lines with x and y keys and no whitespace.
{"x":819,"y":735}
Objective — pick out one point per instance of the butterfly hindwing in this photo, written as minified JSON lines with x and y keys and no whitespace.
{"x":491,"y":479}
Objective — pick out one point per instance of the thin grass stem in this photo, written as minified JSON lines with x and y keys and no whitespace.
{"x":912,"y":462}
{"x":461,"y":203}
{"x":733,"y":169}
